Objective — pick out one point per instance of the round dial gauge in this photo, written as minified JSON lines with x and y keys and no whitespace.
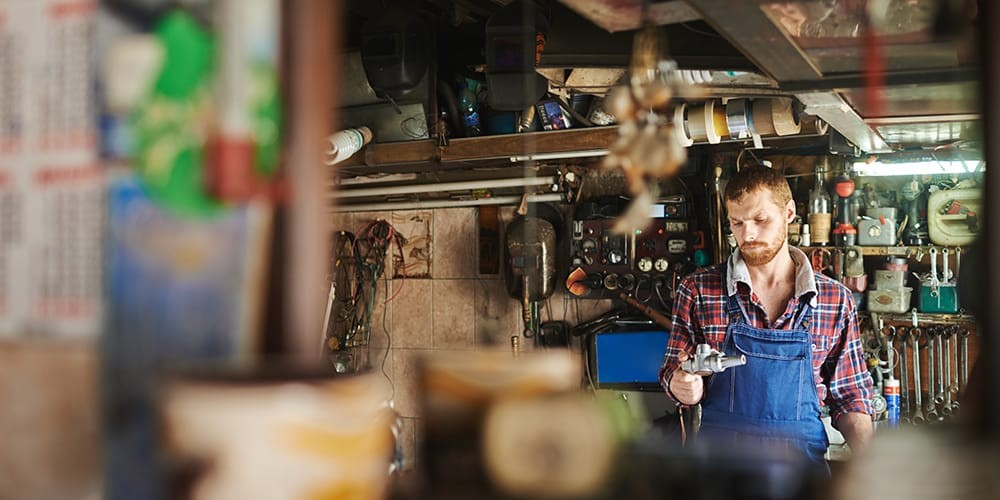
{"x":645,"y":264}
{"x":615,"y":257}
{"x":661,"y":264}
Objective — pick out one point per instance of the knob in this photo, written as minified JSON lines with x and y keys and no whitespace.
{"x":645,"y":264}
{"x":661,"y":265}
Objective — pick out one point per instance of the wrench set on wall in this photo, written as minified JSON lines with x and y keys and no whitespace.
{"x":932,"y":367}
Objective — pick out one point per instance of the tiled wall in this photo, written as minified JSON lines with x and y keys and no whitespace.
{"x":49,"y":422}
{"x":455,"y":309}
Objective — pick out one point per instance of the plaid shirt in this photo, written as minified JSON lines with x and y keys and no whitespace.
{"x":842,"y":380}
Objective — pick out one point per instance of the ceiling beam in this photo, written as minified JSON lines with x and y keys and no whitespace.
{"x":626,"y":15}
{"x":761,"y":40}
{"x":834,"y":110}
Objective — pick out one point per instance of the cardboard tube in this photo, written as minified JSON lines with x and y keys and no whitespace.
{"x":783,"y":117}
{"x":763,"y":123}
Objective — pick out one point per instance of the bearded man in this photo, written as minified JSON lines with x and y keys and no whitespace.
{"x":797,"y":328}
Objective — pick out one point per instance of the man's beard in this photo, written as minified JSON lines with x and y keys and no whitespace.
{"x":759,"y":253}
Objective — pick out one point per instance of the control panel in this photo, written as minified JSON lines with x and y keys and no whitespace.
{"x":644,"y":262}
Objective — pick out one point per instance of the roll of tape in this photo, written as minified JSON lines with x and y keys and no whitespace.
{"x":715,"y":122}
{"x":814,"y":125}
{"x":695,"y":121}
{"x":761,"y":112}
{"x":681,"y":126}
{"x":784,"y":118}
{"x":738,"y":119}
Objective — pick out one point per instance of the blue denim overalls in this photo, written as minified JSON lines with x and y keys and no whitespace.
{"x":770,"y":401}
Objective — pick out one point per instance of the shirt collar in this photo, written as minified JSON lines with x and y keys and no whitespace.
{"x":805,"y":281}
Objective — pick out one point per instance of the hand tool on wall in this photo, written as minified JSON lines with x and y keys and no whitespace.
{"x":707,"y":361}
{"x":918,"y":413}
{"x":904,"y":376}
{"x":963,"y":346}
{"x":947,"y":409}
{"x":657,"y":317}
{"x":930,"y":410}
{"x":939,"y":338}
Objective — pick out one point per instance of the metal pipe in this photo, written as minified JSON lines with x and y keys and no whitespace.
{"x":918,"y":414}
{"x":419,"y":205}
{"x":446,"y":186}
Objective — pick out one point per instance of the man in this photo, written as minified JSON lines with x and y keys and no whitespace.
{"x":797,"y":328}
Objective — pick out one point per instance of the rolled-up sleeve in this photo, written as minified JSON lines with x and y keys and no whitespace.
{"x":848,"y":382}
{"x":682,"y":335}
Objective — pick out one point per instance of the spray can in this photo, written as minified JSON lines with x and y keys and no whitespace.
{"x":891,"y":392}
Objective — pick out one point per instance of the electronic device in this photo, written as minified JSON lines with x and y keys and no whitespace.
{"x":644,"y":262}
{"x":628,"y":360}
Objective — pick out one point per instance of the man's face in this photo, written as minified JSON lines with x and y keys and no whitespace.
{"x":760,"y":225}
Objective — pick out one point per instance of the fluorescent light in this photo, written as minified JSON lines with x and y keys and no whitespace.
{"x":559,"y":156}
{"x":918,"y":168}
{"x":420,"y":205}
{"x":441,"y":187}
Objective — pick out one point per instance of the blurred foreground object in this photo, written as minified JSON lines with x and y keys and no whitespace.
{"x":458,"y":390}
{"x":647,"y":149}
{"x":560,"y":446}
{"x":918,"y":464}
{"x":248,"y":437}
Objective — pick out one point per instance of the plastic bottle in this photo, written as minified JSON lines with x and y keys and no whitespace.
{"x":470,"y":111}
{"x":345,"y":143}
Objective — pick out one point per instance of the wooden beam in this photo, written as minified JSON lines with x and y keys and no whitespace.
{"x":314,"y":43}
{"x":748,"y":27}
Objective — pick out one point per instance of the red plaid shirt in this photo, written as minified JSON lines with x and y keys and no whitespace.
{"x":842,"y":380}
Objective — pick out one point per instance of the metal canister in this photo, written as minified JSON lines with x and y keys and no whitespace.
{"x":891,"y":392}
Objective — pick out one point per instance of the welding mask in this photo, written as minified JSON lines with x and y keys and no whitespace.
{"x":530,"y":253}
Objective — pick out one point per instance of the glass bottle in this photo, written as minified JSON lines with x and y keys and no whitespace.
{"x":819,"y":207}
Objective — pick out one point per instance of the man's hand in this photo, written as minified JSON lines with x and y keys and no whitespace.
{"x":688,"y":388}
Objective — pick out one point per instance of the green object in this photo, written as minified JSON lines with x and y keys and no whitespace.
{"x":700,"y":258}
{"x":266,"y":123}
{"x":171,"y":125}
{"x":942,"y":298}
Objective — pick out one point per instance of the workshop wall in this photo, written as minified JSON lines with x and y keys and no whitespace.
{"x":451,"y":308}
{"x":49,"y":426}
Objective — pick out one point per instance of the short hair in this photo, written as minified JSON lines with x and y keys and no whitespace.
{"x":754,"y":177}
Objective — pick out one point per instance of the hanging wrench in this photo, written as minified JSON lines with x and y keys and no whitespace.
{"x":947,"y":409}
{"x":918,"y":413}
{"x":930,"y":410}
{"x":904,"y":376}
{"x":958,"y":261}
{"x":941,"y":374}
{"x":963,"y":359}
{"x":945,"y":273}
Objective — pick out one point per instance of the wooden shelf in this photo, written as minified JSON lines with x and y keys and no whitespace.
{"x":502,"y":147}
{"x":896,"y":250}
{"x":936,"y":318}
{"x":486,"y":147}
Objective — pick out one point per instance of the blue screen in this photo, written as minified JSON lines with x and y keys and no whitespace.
{"x":629,"y":357}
